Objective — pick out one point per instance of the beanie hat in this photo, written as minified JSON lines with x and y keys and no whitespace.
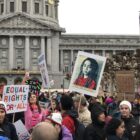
{"x":126,"y":103}
{"x":3,"y":106}
{"x":55,"y":118}
{"x":108,"y":100}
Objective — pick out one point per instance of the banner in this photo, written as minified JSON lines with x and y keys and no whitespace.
{"x":22,"y":132}
{"x":43,"y":70}
{"x":87,"y":73}
{"x":15,"y":97}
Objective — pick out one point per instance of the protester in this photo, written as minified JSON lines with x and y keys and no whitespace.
{"x":80,"y":104}
{"x":44,"y":131}
{"x":95,"y":131}
{"x":7,"y":129}
{"x":129,"y":121}
{"x":56,"y":120}
{"x":34,"y":113}
{"x":115,"y":130}
{"x":68,"y":114}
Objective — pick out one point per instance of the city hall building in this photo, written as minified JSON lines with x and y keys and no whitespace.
{"x":30,"y":27}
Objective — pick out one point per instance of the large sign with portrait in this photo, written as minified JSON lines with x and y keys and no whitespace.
{"x":87,"y":73}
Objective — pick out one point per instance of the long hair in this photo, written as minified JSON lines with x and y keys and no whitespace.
{"x":94,"y":70}
{"x":37,"y":102}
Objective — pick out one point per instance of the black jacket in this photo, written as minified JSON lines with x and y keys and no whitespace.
{"x":9,"y":130}
{"x":130,"y":127}
{"x":95,"y":131}
{"x":113,"y":137}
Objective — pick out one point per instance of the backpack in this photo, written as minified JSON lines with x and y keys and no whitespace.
{"x":79,"y":130}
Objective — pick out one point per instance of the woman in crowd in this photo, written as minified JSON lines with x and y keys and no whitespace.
{"x":95,"y":131}
{"x":115,"y":130}
{"x":129,"y":121}
{"x":88,"y":74}
{"x":7,"y":129}
{"x":34,"y":113}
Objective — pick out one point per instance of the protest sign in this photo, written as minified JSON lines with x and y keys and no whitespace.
{"x":43,"y":70}
{"x":16,"y":98}
{"x":34,"y":86}
{"x":22,"y":132}
{"x":87,"y":73}
{"x":125,"y":81}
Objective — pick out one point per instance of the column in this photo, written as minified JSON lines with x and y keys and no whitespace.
{"x":135,"y":51}
{"x":71,"y":65}
{"x":11,"y":53}
{"x":55,"y":53}
{"x":31,"y":7}
{"x":44,"y":8}
{"x":114,"y":52}
{"x":49,"y":51}
{"x":92,"y":51}
{"x":27,"y":52}
{"x":61,"y":60}
{"x":103,"y":52}
{"x":42,"y":45}
{"x":17,"y":6}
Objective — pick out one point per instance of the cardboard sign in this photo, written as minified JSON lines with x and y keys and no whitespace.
{"x":125,"y":81}
{"x":16,"y":98}
{"x":34,"y":86}
{"x":43,"y":70}
{"x":22,"y":132}
{"x":87,"y":73}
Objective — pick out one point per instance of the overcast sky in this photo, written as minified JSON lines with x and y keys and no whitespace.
{"x":100,"y":16}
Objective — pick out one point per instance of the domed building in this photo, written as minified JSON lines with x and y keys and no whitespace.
{"x":31,"y":27}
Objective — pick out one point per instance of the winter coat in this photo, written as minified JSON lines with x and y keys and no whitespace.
{"x":9,"y":130}
{"x":113,"y":137}
{"x":95,"y":131}
{"x":66,"y":135}
{"x":130,"y":127}
{"x":85,"y":116}
{"x":68,"y":120}
{"x":31,"y":118}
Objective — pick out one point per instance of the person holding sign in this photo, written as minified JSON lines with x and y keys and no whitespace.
{"x":7,"y":129}
{"x":88,"y":74}
{"x":34,"y":113}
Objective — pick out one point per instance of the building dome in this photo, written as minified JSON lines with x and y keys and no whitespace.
{"x":43,"y":10}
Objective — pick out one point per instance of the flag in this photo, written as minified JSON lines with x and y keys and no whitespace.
{"x":51,"y":1}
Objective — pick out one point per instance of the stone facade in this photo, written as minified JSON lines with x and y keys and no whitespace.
{"x":30,"y":27}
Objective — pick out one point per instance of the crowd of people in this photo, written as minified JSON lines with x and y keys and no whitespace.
{"x":72,"y":116}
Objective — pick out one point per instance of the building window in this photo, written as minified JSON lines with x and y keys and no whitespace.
{"x":36,"y":8}
{"x":1,"y":8}
{"x":47,"y":9}
{"x":12,"y":8}
{"x":24,"y":6}
{"x":4,"y":54}
{"x":4,"y":62}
